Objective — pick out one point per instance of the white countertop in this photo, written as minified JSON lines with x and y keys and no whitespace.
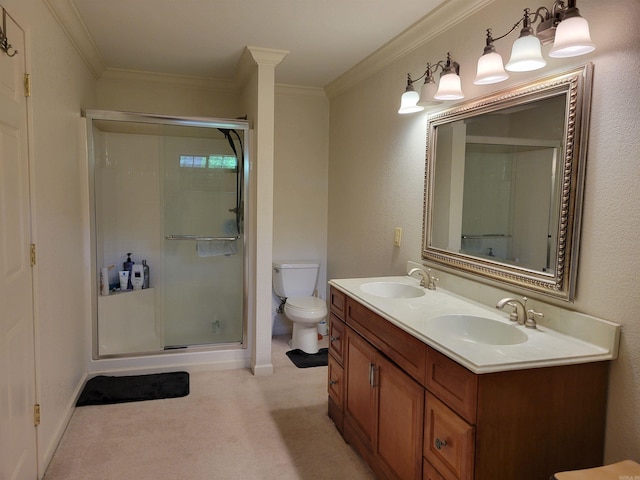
{"x":544,"y":347}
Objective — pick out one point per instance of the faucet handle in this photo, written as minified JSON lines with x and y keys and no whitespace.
{"x":432,"y":280}
{"x":531,"y":318}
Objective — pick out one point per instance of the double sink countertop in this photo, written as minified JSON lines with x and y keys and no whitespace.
{"x":433,"y":319}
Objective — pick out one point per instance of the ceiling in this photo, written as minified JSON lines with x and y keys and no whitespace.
{"x":205,"y":38}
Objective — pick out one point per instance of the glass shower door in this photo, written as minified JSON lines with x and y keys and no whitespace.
{"x":203,"y":257}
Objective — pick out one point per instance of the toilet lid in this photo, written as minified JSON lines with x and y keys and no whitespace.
{"x":307,"y":303}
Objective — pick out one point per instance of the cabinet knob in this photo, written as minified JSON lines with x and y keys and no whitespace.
{"x":333,"y":339}
{"x":332,"y":382}
{"x":440,"y":443}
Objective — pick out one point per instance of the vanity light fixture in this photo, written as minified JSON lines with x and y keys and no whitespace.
{"x":431,"y":93}
{"x":5,"y":46}
{"x":562,"y":25}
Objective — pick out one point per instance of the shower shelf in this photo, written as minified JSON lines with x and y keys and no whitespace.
{"x":198,"y":237}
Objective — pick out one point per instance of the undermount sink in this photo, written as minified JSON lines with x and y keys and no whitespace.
{"x":391,"y":290}
{"x":474,"y":329}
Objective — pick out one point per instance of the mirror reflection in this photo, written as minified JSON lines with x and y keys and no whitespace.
{"x":504,"y":179}
{"x":501,"y":207}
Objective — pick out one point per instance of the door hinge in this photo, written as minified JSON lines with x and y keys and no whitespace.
{"x":27,"y":84}
{"x":33,"y":254}
{"x":36,"y":414}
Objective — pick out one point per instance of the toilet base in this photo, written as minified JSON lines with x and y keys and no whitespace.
{"x":305,"y":337}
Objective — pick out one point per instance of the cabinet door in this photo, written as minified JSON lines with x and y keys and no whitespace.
{"x":360,"y":394}
{"x":400,"y":412}
{"x":336,"y":393}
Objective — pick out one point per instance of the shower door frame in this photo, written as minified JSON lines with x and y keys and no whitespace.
{"x":185,"y":121}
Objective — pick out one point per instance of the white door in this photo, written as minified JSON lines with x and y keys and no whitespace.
{"x":17,"y":371}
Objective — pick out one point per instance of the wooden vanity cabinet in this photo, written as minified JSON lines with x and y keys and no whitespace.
{"x":413,"y":413}
{"x":383,"y":412}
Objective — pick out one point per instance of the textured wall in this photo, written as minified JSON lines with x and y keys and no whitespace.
{"x":376,"y":170}
{"x":300,"y":182}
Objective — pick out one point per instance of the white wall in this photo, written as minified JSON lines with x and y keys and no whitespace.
{"x":376,"y":173}
{"x":168,"y":94}
{"x":61,"y":86}
{"x":300,"y":187}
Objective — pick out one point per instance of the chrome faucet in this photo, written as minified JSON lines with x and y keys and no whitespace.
{"x":427,"y":279}
{"x":519,"y":313}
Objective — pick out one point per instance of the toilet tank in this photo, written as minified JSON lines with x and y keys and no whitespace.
{"x":295,"y":279}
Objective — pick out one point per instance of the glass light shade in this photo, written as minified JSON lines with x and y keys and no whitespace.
{"x":572,"y":38}
{"x":526,"y":55}
{"x":490,"y":69}
{"x":408,"y":102}
{"x":449,"y":88}
{"x":427,"y":94}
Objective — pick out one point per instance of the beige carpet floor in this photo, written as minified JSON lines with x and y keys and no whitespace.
{"x":232,"y":425}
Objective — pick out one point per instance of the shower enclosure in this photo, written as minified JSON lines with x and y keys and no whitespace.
{"x":169,"y":192}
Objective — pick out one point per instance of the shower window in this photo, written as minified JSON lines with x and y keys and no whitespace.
{"x":223,"y":162}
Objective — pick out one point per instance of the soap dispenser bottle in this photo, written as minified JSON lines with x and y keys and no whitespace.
{"x":128,"y":266}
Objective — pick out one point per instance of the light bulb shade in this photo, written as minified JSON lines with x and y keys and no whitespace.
{"x":572,"y":38}
{"x":490,"y":69}
{"x":427,"y":94}
{"x":408,"y":102}
{"x":449,"y":88}
{"x":526,"y":55}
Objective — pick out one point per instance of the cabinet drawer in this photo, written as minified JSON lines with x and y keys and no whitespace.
{"x":429,"y":472}
{"x":336,"y":382}
{"x":449,"y":441}
{"x":406,"y":351}
{"x":336,"y":338}
{"x":453,"y":384}
{"x":337,"y":303}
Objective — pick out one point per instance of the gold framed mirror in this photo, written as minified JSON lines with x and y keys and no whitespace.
{"x":503,"y":184}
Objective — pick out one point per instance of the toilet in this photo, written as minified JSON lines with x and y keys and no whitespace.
{"x":295,"y":282}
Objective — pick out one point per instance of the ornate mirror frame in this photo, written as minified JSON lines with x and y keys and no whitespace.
{"x":575,"y":85}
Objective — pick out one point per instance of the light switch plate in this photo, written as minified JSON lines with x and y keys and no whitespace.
{"x":397,"y":237}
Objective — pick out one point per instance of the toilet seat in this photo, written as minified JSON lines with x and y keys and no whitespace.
{"x":306,"y":305}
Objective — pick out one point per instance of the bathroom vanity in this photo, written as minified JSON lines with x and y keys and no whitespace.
{"x":419,"y":405}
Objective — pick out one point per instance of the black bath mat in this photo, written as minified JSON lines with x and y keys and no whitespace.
{"x":306,"y":360}
{"x":103,"y":390}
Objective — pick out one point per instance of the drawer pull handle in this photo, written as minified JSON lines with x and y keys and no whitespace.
{"x":332,"y":382}
{"x":334,"y":339}
{"x":440,"y":443}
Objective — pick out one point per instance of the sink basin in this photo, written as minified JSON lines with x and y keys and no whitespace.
{"x":391,"y":290}
{"x":474,"y":329}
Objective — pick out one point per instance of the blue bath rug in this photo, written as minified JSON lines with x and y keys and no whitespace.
{"x":104,"y":390}
{"x":305,"y":360}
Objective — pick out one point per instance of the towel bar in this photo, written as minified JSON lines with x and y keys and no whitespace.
{"x":198,"y":237}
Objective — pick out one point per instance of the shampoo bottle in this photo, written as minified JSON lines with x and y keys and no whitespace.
{"x":145,"y":267}
{"x":137,"y":277}
{"x":127,"y":266}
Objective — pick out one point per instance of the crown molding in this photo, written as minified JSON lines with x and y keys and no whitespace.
{"x":67,"y":16}
{"x":433,"y":24}
{"x":252,"y":56}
